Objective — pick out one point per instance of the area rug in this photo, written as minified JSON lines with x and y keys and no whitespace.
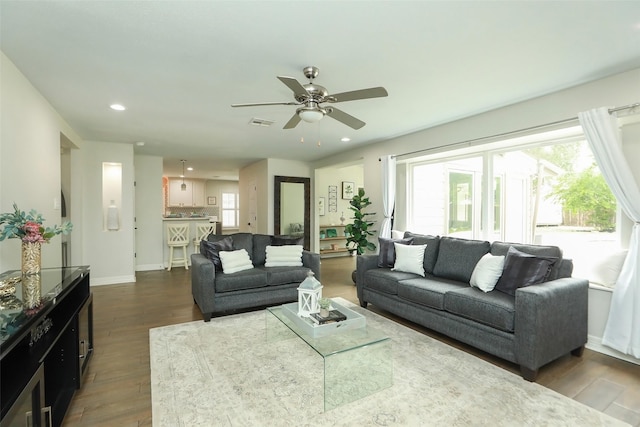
{"x":226,"y":373}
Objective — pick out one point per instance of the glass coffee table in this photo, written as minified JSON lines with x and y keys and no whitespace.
{"x":357,"y":362}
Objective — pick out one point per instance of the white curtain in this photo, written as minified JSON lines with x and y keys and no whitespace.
{"x":388,"y":193}
{"x":622,"y":331}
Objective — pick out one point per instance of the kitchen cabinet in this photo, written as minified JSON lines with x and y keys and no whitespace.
{"x":199,"y":190}
{"x":193,"y":196}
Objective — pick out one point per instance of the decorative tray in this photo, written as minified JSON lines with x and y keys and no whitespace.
{"x":354,"y":320}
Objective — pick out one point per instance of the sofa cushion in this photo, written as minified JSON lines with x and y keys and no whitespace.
{"x":458,"y":257}
{"x":247,"y":279}
{"x":284,"y":275}
{"x":385,"y":280}
{"x":260,"y":243}
{"x":494,"y":309}
{"x":431,"y":253}
{"x":211,"y":250}
{"x":427,"y":291}
{"x":387,"y":254}
{"x":501,"y":248}
{"x":284,"y":256}
{"x":487,"y":272}
{"x":522,"y":269}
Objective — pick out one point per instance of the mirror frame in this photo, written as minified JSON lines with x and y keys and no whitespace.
{"x":307,"y":205}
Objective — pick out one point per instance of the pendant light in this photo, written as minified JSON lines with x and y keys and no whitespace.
{"x":183,"y":187}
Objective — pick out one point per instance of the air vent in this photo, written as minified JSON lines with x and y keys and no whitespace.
{"x":260,"y":122}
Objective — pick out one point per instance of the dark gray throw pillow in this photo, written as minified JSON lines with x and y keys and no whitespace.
{"x":211,"y":250}
{"x":458,"y":257}
{"x":387,"y":254}
{"x":522,"y":269}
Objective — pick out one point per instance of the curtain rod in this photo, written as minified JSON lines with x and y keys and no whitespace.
{"x":470,"y":141}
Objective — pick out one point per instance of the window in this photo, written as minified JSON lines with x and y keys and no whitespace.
{"x":230,"y":211}
{"x":544,"y":192}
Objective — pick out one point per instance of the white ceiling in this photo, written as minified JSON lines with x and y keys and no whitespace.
{"x":178,"y":65}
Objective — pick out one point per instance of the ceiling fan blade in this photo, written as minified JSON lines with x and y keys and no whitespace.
{"x":257,"y":104}
{"x":293,"y":122}
{"x":293,"y":84}
{"x":345,"y":118}
{"x":372,"y":92}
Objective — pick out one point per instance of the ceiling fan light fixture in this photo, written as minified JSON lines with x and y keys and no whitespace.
{"x":310,"y":115}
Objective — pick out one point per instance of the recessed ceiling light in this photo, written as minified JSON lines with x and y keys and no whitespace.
{"x":189,"y":168}
{"x":140,"y":143}
{"x":345,"y":139}
{"x":117,"y":107}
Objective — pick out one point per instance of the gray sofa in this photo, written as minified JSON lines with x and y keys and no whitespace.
{"x":216,"y":292}
{"x":531,"y":328}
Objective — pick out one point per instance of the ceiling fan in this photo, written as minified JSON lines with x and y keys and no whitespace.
{"x":311,"y":95}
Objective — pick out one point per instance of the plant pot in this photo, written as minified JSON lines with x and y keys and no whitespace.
{"x":324,"y":312}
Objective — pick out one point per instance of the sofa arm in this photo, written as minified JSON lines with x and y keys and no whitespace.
{"x":203,"y":277}
{"x":312,"y":260}
{"x":364,"y":263}
{"x":550,"y":321}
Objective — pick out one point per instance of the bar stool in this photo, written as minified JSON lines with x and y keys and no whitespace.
{"x":202,"y":231}
{"x":178,"y":237}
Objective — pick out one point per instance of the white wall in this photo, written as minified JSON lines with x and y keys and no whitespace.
{"x":30,"y":133}
{"x":255,"y":173}
{"x":149,"y":242}
{"x":109,"y":253}
{"x":335,"y":176}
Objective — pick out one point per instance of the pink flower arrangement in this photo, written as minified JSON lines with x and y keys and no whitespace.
{"x":33,"y":232}
{"x":28,"y":227}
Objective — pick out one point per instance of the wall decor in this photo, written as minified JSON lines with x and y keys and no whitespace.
{"x":333,"y":198}
{"x":347,"y":190}
{"x":211,"y":200}
{"x":321,"y":206}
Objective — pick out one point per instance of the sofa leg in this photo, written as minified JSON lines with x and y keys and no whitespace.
{"x":529,"y":374}
{"x":207,"y":316}
{"x":578,"y":351}
{"x":363,"y":304}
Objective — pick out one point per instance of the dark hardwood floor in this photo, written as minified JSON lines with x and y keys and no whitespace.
{"x":117,"y":390}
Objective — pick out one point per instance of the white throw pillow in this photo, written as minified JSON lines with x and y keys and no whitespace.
{"x":284,"y":256}
{"x":605,"y":271}
{"x":409,"y":258}
{"x":487,"y":272}
{"x":234,"y":261}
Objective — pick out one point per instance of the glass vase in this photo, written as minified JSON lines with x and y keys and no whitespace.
{"x":31,"y":258}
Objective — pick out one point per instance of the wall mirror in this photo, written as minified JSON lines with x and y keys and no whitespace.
{"x":292,"y":207}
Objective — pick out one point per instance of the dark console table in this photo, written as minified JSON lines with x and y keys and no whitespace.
{"x":44,"y":351}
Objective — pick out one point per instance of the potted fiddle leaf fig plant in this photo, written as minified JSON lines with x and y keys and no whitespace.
{"x":359,"y":231}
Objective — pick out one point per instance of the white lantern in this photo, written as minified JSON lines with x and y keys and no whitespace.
{"x":309,"y":293}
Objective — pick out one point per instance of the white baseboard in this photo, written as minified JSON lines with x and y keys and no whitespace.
{"x":595,"y":344}
{"x":115,"y":280}
{"x":149,"y":267}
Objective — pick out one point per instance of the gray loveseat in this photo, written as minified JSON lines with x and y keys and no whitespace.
{"x":216,"y":292}
{"x":531,"y":328}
